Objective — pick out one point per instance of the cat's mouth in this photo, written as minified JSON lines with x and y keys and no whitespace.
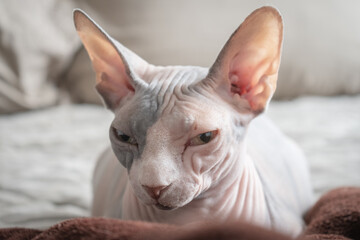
{"x":163,"y":207}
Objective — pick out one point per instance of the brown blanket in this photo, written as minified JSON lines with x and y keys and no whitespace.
{"x":335,"y":216}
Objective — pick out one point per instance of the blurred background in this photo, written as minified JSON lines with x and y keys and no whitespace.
{"x":43,"y":63}
{"x":52,"y":125}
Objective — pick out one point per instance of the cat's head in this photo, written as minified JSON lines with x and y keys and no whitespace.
{"x":179,"y":130}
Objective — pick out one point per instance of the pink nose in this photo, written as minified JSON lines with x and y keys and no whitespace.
{"x":154,"y":192}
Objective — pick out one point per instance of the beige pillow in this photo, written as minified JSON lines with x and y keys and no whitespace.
{"x":37,"y":43}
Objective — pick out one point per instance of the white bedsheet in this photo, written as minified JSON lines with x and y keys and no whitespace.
{"x":46,"y":161}
{"x":47,"y":157}
{"x":328,"y":131}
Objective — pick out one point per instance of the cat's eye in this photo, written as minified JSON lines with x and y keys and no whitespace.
{"x":203,"y":138}
{"x":122,"y":137}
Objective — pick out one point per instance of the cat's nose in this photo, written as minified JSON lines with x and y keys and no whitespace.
{"x":154,"y":192}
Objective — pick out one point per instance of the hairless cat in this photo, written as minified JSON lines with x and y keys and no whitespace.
{"x":188,"y":143}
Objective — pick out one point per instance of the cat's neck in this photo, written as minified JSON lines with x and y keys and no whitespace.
{"x":238,"y":196}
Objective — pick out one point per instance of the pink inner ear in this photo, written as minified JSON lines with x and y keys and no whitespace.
{"x":112,"y":76}
{"x":239,"y":83}
{"x":113,"y":82}
{"x":244,"y":72}
{"x":248,"y":77}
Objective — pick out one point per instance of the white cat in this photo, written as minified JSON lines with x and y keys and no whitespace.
{"x":187,"y":138}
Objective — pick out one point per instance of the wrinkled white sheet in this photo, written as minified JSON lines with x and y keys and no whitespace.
{"x":47,"y":156}
{"x":328,"y":131}
{"x":46,"y":162}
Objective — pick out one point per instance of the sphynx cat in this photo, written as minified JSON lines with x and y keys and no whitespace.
{"x":188,"y":143}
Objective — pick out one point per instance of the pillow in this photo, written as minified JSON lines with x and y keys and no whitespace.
{"x":37,"y":42}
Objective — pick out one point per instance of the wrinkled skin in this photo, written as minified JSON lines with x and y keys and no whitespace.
{"x":247,"y":169}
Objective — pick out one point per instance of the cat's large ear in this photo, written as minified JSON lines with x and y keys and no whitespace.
{"x":247,"y":67}
{"x":117,"y":68}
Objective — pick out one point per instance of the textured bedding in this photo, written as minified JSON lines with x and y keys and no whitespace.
{"x":328,"y":131}
{"x":47,"y":156}
{"x":46,"y":161}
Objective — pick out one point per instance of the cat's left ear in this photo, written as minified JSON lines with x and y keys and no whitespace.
{"x":246,"y":69}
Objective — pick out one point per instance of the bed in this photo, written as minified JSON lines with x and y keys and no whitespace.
{"x":53,"y":127}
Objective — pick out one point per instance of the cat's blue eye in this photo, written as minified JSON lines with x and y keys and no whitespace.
{"x":122,"y":137}
{"x":203,"y":138}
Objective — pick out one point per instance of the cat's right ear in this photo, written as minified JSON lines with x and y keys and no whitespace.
{"x":115,"y":66}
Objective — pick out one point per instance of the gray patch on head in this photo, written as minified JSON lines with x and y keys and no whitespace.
{"x":145,"y":115}
{"x":142,"y":115}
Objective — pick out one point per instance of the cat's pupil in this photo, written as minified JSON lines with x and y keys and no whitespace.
{"x":121,"y":136}
{"x":206,"y":137}
{"x":124,"y":137}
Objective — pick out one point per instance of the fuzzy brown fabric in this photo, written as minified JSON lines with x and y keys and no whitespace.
{"x":335,"y":216}
{"x":94,"y":228}
{"x":18,"y":233}
{"x":102,"y":228}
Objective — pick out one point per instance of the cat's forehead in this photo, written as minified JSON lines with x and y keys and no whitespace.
{"x":166,"y":86}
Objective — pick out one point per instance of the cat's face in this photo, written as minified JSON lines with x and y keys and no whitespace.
{"x":179,"y":130}
{"x":176,"y":136}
